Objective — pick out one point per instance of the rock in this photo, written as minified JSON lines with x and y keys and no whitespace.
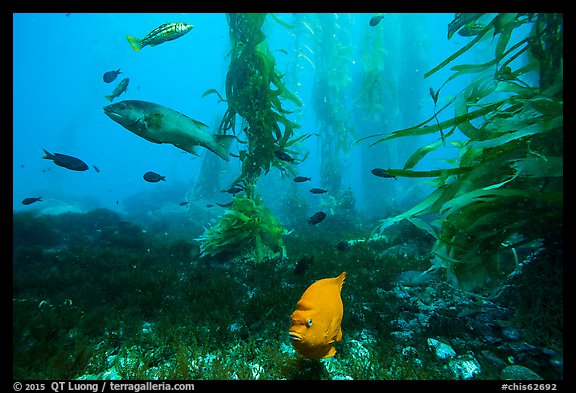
{"x":412,"y":278}
{"x":511,"y":334}
{"x":441,"y":350}
{"x":464,"y":367}
{"x":335,"y":369}
{"x":400,"y":293}
{"x":404,"y":336}
{"x":556,"y":359}
{"x":146,"y":328}
{"x":517,"y":372}
{"x":342,"y":378}
{"x":366,"y":337}
{"x":287,"y":349}
{"x":493,"y":358}
{"x":111,"y":374}
{"x":409,"y":351}
{"x":256,"y":369}
{"x":358,"y":350}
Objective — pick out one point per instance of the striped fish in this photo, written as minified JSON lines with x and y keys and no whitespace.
{"x":471,"y":29}
{"x":460,"y":20}
{"x":163,"y":33}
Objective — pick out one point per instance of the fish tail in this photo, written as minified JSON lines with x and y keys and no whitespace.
{"x":134,"y":42}
{"x":110,"y":97}
{"x":48,"y":155}
{"x":223,"y":142}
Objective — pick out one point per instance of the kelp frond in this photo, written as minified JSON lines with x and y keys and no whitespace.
{"x":507,"y":178}
{"x":248,"y":223}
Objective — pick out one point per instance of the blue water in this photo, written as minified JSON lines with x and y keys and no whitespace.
{"x":59,"y":95}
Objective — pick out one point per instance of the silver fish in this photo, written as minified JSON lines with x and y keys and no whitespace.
{"x":159,"y":124}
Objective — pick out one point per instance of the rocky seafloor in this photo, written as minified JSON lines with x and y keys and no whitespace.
{"x":110,"y":300}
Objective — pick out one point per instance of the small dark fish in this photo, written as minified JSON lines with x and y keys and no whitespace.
{"x":110,"y":75}
{"x":65,"y":161}
{"x":318,"y":191}
{"x":283,"y":156}
{"x":343,"y":245}
{"x":229,"y":204}
{"x":376,"y":19}
{"x":96,"y":168}
{"x":209,"y":205}
{"x":184,"y":203}
{"x":121,"y":88}
{"x":234,"y":190}
{"x":317,"y":218}
{"x":29,"y":201}
{"x":153,"y":177}
{"x":301,"y":179}
{"x":303,"y":264}
{"x":382,"y":173}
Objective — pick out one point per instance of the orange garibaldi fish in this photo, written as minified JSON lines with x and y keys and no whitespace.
{"x":316,"y":321}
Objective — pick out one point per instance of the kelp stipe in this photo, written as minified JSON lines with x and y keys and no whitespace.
{"x":254,"y":91}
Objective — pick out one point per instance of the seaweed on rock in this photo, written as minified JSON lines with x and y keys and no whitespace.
{"x":248,"y":221}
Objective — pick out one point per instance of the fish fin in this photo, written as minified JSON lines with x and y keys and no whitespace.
{"x":152,"y":140}
{"x":330,"y":353}
{"x":334,"y":332}
{"x":109,"y":97}
{"x":153,"y":119}
{"x":48,"y":155}
{"x":223,"y":143}
{"x":190,"y":149}
{"x":199,"y":124}
{"x":134,"y":42}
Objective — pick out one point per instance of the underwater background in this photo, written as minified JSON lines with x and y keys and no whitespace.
{"x":431,"y":144}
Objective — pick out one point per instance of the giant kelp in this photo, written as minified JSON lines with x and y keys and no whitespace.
{"x":332,"y":82}
{"x":505,"y":187}
{"x":254,"y":92}
{"x":388,"y":94}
